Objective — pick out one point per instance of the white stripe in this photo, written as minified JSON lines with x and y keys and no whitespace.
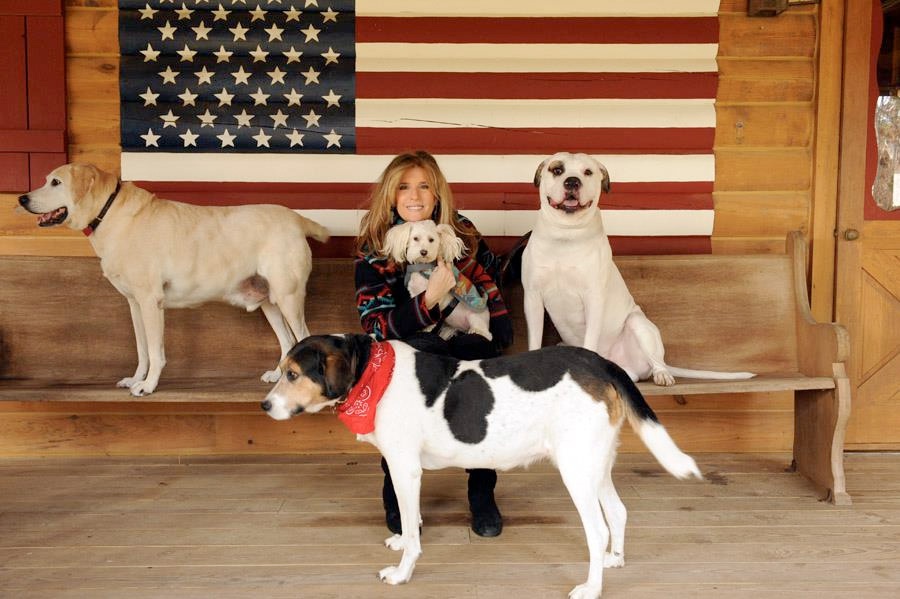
{"x":537,"y":58}
{"x":514,"y":223}
{"x":449,"y":113}
{"x":537,"y":8}
{"x":353,"y":168}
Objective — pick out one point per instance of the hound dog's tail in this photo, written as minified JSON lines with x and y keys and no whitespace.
{"x":645,"y":423}
{"x":314,"y":229}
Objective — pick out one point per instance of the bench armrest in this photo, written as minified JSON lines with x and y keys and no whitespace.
{"x":820,"y":345}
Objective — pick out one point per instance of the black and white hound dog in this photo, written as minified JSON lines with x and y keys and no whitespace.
{"x":563,"y":403}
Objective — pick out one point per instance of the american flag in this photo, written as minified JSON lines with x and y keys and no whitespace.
{"x":304,"y":102}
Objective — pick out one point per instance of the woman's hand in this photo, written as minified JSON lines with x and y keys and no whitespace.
{"x":439,"y":284}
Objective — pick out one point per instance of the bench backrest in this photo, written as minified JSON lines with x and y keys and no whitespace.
{"x":60,"y":319}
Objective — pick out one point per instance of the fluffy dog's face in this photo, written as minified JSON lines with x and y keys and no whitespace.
{"x":422,"y":242}
{"x":570,"y":184}
{"x":315,"y":374}
{"x":72,"y":195}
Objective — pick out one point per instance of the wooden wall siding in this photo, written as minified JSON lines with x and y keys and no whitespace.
{"x":764,"y":141}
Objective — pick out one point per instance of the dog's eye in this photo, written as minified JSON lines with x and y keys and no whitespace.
{"x":55,"y":182}
{"x":431,"y":240}
{"x":557,"y":170}
{"x":291,"y":375}
{"x":416,"y":238}
{"x":588,"y":172}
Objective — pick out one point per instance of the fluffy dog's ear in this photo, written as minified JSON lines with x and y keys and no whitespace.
{"x":452,"y":247}
{"x":537,"y":173}
{"x":605,"y":186}
{"x":396,"y":241}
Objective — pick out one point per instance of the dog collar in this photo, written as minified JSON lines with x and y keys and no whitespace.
{"x":357,"y":411}
{"x":89,"y":230}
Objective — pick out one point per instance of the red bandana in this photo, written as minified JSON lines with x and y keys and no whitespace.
{"x":358,"y":410}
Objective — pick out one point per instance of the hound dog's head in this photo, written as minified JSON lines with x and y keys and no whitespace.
{"x":73,"y":195}
{"x":317,"y":372}
{"x":422,"y":242}
{"x":570,"y":184}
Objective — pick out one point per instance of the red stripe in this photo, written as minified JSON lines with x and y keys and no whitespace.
{"x":496,"y":140}
{"x":536,"y":86}
{"x":538,"y":30}
{"x":342,"y":247}
{"x":468,"y":196}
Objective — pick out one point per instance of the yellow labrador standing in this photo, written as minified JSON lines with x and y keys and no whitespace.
{"x":163,"y":254}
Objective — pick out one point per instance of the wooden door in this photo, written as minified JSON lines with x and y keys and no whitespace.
{"x":867,"y":293}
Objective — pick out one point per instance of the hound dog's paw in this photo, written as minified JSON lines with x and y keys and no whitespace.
{"x":613,"y":560}
{"x":393,"y":575}
{"x":395,"y":543}
{"x":141,"y":388}
{"x":271,"y":376}
{"x":128,"y":381}
{"x":663,"y":378}
{"x":586,"y":591}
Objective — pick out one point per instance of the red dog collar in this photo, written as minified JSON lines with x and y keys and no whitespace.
{"x":357,"y":412}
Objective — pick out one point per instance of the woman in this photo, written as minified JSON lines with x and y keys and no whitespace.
{"x":413,"y":188}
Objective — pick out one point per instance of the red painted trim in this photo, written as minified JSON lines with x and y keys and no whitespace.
{"x":46,"y":73}
{"x":497,"y":140}
{"x":31,"y":7}
{"x":538,"y":30}
{"x":41,"y":163}
{"x":25,"y":140}
{"x":13,"y":99}
{"x":536,"y":85}
{"x":14,"y":172}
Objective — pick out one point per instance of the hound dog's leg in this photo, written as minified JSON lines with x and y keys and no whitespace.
{"x":615,"y":514}
{"x":285,"y":338}
{"x":582,"y":477}
{"x":140,"y":338}
{"x":406,"y":475}
{"x":534,"y":317}
{"x":154,"y":321}
{"x":651,"y":345}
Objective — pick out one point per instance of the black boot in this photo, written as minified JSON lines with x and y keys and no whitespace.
{"x":389,"y":499}
{"x":486,"y":519}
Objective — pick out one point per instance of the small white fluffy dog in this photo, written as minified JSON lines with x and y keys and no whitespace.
{"x":163,"y":254}
{"x":423,"y":242}
{"x":568,"y":269}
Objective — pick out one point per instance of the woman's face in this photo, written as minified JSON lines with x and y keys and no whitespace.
{"x":414,"y":199}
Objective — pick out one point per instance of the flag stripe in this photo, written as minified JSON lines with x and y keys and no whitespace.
{"x":541,"y":30}
{"x":536,"y":58}
{"x":563,"y":85}
{"x":538,"y":8}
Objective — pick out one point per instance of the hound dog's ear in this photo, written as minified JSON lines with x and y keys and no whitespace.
{"x":335,"y":370}
{"x":452,"y":247}
{"x":396,"y":240}
{"x":538,"y":172}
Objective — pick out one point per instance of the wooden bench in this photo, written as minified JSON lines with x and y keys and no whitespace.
{"x":65,"y":335}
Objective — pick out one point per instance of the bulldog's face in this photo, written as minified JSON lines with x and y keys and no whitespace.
{"x":570,"y":185}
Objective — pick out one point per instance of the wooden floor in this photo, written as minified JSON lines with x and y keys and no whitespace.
{"x":312,"y":527}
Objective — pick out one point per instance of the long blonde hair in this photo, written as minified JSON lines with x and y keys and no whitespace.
{"x":380,"y":216}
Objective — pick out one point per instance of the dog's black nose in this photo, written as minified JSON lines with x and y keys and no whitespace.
{"x":423,"y":252}
{"x":572,"y":183}
{"x":266,"y":405}
{"x":23,"y":200}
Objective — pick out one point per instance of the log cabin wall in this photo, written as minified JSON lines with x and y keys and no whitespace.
{"x":764,"y":146}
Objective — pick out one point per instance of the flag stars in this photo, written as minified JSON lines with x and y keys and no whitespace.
{"x":292,"y":55}
{"x":167,"y":31}
{"x":329,"y":15}
{"x":147,"y":13}
{"x":331,"y":56}
{"x":259,"y":98}
{"x":221,"y":14}
{"x":274,"y":33}
{"x":259,"y":55}
{"x":169,"y":119}
{"x":243,"y":119}
{"x":207,"y":119}
{"x":202,"y":31}
{"x":222,"y":55}
{"x":150,"y":55}
{"x":184,"y":12}
{"x":292,"y":14}
{"x":241,"y":76}
{"x":190,"y":139}
{"x":292,"y":98}
{"x":150,"y":98}
{"x":224,"y":97}
{"x":227,"y":138}
{"x":277,"y":75}
{"x":312,"y":76}
{"x":311,"y":33}
{"x":334,"y":139}
{"x":187,"y":55}
{"x":239,"y":32}
{"x":311,"y":3}
{"x":188,"y":98}
{"x":258,"y":14}
{"x":204,"y":75}
{"x":279,"y":119}
{"x":332,"y":99}
{"x":312,"y":119}
{"x":168,"y":75}
{"x":262,"y":139}
{"x":151,"y":139}
{"x":296,"y":138}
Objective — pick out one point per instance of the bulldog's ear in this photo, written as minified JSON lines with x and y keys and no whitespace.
{"x":538,"y":172}
{"x":452,"y":247}
{"x":396,"y":241}
{"x":606,"y":185}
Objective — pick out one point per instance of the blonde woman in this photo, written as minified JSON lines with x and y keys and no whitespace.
{"x":413,"y":188}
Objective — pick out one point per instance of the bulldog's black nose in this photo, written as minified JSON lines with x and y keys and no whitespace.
{"x":572,"y":183}
{"x":23,"y":200}
{"x":266,"y":405}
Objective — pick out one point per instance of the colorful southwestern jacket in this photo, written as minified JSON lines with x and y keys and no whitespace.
{"x":385,"y":307}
